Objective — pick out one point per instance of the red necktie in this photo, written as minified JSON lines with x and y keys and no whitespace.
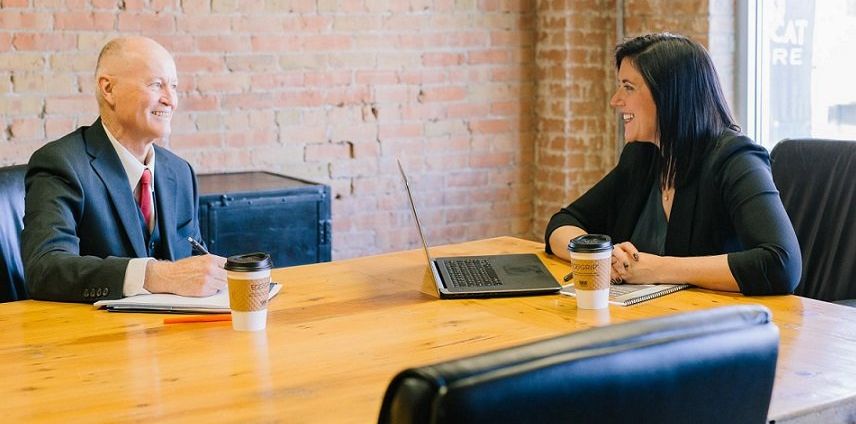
{"x":145,"y":199}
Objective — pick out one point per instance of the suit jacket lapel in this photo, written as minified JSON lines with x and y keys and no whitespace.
{"x":106,"y":164}
{"x":165,"y":193}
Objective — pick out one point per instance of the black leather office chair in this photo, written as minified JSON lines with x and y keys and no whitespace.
{"x":11,"y":222}
{"x":817,"y":182}
{"x":712,"y":366}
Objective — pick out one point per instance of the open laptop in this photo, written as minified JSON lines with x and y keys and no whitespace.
{"x":484,"y":276}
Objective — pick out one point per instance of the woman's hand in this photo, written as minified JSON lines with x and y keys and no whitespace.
{"x":629,"y":265}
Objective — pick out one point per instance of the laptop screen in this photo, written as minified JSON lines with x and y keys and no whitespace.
{"x":413,"y":209}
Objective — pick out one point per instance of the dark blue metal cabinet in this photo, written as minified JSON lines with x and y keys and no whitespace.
{"x":262,"y":211}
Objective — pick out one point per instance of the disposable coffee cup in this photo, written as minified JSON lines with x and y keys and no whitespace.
{"x":590,"y":263}
{"x":249,"y":286}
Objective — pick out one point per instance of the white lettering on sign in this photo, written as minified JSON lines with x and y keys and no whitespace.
{"x":787,"y":56}
{"x":791,"y":32}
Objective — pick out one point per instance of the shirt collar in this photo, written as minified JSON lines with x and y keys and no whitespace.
{"x":133,"y":167}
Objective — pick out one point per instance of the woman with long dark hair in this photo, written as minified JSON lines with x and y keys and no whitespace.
{"x":691,"y":199}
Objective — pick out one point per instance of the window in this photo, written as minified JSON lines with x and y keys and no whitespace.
{"x":797,"y":69}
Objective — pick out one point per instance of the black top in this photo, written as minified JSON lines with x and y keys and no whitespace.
{"x":649,"y":236}
{"x":729,"y":206}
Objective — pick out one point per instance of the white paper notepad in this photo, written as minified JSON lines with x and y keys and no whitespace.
{"x":173,"y":303}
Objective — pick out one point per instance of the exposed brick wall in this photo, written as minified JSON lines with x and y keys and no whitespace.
{"x":576,"y":129}
{"x":495,"y":136}
{"x":328,"y":90}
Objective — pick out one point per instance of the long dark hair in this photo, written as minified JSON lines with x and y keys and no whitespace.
{"x":691,"y":109}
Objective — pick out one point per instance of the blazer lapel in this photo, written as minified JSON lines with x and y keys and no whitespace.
{"x":106,"y":164}
{"x":165,"y":194}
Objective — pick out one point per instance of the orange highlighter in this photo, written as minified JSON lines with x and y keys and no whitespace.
{"x":198,"y":318}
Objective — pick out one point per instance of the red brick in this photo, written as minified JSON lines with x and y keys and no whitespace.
{"x":494,"y":56}
{"x":21,"y":105}
{"x":5,"y":41}
{"x":376,"y":77}
{"x":227,"y":83}
{"x":71,"y":105}
{"x":276,"y":80}
{"x":199,"y":63}
{"x":86,"y":21}
{"x":442,"y":59}
{"x":198,"y":102}
{"x":198,"y":140}
{"x":307,"y":23}
{"x":150,"y":23}
{"x":196,"y":6}
{"x":300,"y":97}
{"x":468,"y":39}
{"x":244,"y":139}
{"x":327,"y":42}
{"x":176,"y":43}
{"x":134,"y":4}
{"x":21,"y":61}
{"x":35,"y":41}
{"x":248,"y":101}
{"x":58,"y":4}
{"x":222,"y":43}
{"x":30,"y":21}
{"x":56,"y":127}
{"x":251,"y":62}
{"x":26,"y":128}
{"x":275,"y":43}
{"x":164,"y":5}
{"x":420,"y":77}
{"x":326,"y":79}
{"x":468,"y":110}
{"x":327,"y":152}
{"x":491,"y":160}
{"x":490,"y":126}
{"x":443,"y":94}
{"x":347,"y":96}
{"x":259,"y":23}
{"x":196,"y":24}
{"x":14,"y":3}
{"x":400,"y":131}
{"x":392,"y":94}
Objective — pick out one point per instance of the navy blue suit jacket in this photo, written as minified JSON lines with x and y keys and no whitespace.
{"x":82,"y":224}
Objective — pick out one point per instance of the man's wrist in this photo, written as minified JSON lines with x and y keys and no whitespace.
{"x":154,"y":272}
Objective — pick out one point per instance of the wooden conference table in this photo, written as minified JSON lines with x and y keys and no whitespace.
{"x":336,"y":335}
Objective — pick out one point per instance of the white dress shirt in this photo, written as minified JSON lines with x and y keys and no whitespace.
{"x":135,"y":274}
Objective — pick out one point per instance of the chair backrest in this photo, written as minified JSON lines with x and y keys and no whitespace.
{"x":817,"y":182}
{"x":712,"y":366}
{"x":11,"y":223}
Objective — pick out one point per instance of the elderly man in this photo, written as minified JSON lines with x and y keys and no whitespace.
{"x":108,"y":212}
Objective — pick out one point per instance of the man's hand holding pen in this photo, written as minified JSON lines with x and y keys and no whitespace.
{"x":194,"y":276}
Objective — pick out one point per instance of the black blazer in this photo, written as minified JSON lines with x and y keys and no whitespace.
{"x":82,"y":224}
{"x":729,"y":206}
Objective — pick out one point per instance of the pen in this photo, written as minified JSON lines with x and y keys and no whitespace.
{"x":198,"y":318}
{"x":197,"y":246}
{"x":568,"y":277}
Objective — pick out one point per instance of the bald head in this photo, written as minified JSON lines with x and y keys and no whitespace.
{"x":136,"y":89}
{"x":121,"y":54}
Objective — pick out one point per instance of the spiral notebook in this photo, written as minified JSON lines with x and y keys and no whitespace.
{"x":631,"y":294}
{"x":173,"y":304}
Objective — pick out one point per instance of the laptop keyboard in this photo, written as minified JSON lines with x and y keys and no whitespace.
{"x":472,"y":273}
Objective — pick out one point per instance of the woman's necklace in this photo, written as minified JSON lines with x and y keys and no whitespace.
{"x":667,"y":193}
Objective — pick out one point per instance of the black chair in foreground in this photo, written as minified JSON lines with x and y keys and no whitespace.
{"x":712,"y":366}
{"x":11,"y":223}
{"x":817,"y":182}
